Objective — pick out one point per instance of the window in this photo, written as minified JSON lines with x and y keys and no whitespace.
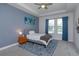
{"x":55,"y":26}
{"x":51,"y":26}
{"x":59,"y":26}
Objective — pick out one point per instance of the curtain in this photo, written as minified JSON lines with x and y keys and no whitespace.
{"x":46,"y":26}
{"x":65,"y":28}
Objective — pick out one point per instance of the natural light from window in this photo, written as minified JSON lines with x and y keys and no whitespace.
{"x":55,"y":26}
{"x":51,"y":26}
{"x":59,"y":26}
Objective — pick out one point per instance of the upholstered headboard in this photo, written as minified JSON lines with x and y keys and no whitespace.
{"x":26,"y":31}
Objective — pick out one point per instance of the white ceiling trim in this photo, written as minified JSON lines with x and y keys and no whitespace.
{"x":28,"y":8}
{"x":31,"y":11}
{"x":51,"y":13}
{"x":23,"y":8}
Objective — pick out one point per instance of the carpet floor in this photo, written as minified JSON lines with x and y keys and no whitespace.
{"x":40,"y":50}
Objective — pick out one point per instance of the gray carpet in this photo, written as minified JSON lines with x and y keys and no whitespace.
{"x":40,"y":50}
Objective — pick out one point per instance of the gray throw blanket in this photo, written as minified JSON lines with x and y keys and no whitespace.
{"x":45,"y":37}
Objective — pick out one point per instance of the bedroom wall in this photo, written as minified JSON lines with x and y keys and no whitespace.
{"x":11,"y":20}
{"x":76,"y":35}
{"x":70,"y":24}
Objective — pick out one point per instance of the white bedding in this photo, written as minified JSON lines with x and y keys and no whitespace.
{"x":36,"y":38}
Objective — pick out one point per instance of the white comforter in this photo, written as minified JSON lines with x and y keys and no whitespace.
{"x":36,"y":38}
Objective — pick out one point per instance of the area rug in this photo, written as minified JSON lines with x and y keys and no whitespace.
{"x":40,"y":50}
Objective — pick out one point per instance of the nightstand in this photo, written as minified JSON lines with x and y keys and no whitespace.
{"x":22,"y":39}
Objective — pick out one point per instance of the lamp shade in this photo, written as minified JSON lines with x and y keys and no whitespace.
{"x":20,"y":33}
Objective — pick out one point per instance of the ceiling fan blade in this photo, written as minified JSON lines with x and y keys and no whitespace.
{"x":43,"y":3}
{"x":46,"y":7}
{"x":39,"y":7}
{"x":37,"y":3}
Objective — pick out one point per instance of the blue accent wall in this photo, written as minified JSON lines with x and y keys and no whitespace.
{"x":12,"y":19}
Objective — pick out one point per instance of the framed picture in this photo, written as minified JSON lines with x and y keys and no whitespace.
{"x":29,"y":20}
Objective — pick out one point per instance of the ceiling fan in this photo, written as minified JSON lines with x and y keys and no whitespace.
{"x":43,"y":5}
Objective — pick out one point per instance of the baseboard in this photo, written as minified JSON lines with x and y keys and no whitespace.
{"x":5,"y":47}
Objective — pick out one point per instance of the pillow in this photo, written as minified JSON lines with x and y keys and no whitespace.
{"x":31,"y":32}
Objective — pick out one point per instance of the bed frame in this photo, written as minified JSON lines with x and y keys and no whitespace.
{"x":38,"y":44}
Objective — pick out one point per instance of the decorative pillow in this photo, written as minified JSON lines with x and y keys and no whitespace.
{"x":31,"y":32}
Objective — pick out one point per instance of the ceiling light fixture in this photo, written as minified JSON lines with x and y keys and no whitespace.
{"x":43,"y":5}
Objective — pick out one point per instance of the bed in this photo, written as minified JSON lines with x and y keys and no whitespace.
{"x":38,"y":38}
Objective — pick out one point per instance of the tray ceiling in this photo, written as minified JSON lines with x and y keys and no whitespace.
{"x":52,"y":9}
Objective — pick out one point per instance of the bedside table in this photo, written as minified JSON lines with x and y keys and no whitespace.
{"x":22,"y":39}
